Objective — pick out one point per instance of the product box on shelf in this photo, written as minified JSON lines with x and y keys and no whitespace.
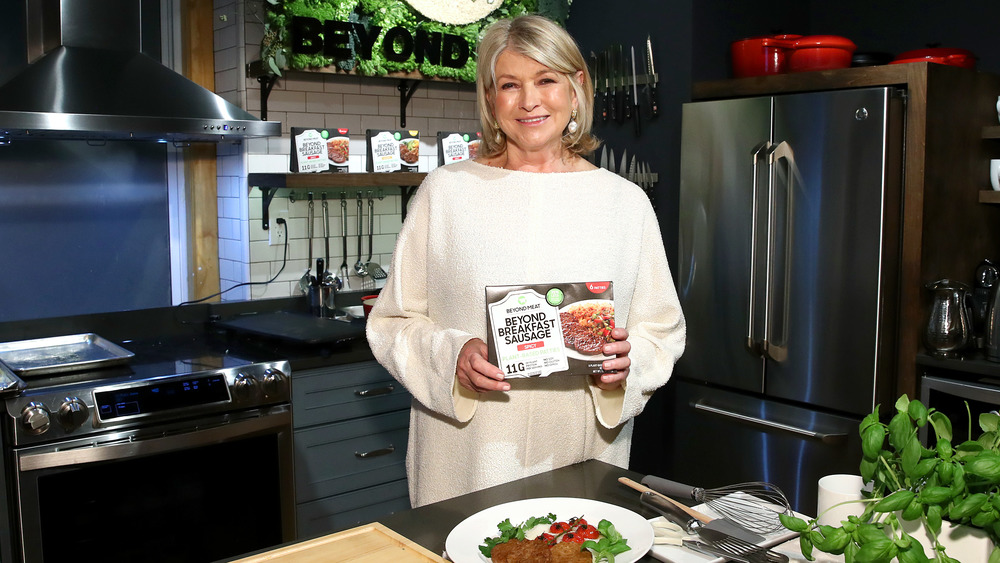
{"x":456,"y":146}
{"x":393,"y":151}
{"x":318,"y":149}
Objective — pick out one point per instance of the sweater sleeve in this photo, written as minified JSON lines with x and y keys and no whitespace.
{"x":656,"y":331}
{"x":419,"y":353}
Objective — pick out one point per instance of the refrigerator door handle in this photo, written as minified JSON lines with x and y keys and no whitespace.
{"x":829,"y":438}
{"x":752,"y":345}
{"x":777,"y":349}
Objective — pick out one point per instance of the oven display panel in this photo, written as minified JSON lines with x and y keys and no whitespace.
{"x":163,"y":396}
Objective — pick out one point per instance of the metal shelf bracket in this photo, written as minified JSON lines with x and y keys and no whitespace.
{"x":405,"y":93}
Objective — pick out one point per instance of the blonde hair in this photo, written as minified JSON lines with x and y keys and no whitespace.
{"x":541,"y":39}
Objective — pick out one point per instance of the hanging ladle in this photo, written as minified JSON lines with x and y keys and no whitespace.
{"x":360,"y":267}
{"x":305,"y":281}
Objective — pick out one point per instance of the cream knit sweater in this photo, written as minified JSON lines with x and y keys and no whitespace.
{"x":471,"y":225}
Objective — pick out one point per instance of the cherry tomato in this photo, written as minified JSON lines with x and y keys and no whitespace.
{"x":587,"y":531}
{"x":573,"y":537}
{"x":547,"y":538}
{"x":559,"y":528}
{"x":577,"y":522}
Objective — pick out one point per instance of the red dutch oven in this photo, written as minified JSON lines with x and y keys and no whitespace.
{"x":776,"y":54}
{"x":940,"y":55}
{"x":759,"y":56}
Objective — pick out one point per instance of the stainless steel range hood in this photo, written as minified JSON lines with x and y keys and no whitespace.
{"x":93,"y":79}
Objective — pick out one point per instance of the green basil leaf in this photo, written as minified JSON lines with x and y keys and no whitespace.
{"x":918,"y":412}
{"x":967,"y":506}
{"x":867,"y":533}
{"x":969,"y":446}
{"x":902,"y":404}
{"x":933,"y":518}
{"x":871,"y":441}
{"x":910,"y":455}
{"x":925,"y":466}
{"x":945,"y":470}
{"x":851,"y":552}
{"x":984,"y":519}
{"x":913,"y":511}
{"x":868,"y":468}
{"x":989,"y":422}
{"x":878,"y":550}
{"x":995,"y":556}
{"x":943,"y":448}
{"x":793,"y":523}
{"x":941,"y":424}
{"x":806,"y":547}
{"x":896,"y":501}
{"x":872,"y":419}
{"x":900,"y":431}
{"x":913,"y":553}
{"x":834,"y":541}
{"x":986,"y":466}
{"x":934,"y":495}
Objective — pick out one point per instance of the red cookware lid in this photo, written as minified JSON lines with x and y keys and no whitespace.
{"x":934,"y":52}
{"x":833,"y":41}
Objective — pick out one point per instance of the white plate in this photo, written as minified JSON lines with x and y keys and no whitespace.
{"x":571,"y":353}
{"x":462,"y":545}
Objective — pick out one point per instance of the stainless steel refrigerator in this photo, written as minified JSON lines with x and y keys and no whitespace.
{"x":787,"y":274}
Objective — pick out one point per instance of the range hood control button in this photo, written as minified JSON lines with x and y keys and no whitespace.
{"x":72,"y":413}
{"x":244,"y":387}
{"x":35,"y":418}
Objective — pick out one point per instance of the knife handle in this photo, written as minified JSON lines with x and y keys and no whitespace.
{"x":604,"y":105}
{"x":654,"y":110}
{"x":613,"y":104}
{"x":643,"y":489}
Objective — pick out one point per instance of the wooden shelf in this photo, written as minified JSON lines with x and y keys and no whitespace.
{"x":333,"y":180}
{"x":270,"y":183}
{"x":989,"y":196}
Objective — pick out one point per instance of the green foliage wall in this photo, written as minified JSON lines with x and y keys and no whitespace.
{"x":277,"y":56}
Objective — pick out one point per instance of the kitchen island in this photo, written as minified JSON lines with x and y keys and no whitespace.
{"x":430,"y":525}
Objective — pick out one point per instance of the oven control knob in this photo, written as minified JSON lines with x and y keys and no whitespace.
{"x":72,"y":413}
{"x":244,"y":386}
{"x":272,"y":382}
{"x":35,"y":418}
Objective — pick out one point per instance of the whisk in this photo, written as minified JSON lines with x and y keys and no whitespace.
{"x":754,"y":505}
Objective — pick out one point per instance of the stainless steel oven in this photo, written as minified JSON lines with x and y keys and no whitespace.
{"x":951,"y":395}
{"x":187,"y":466}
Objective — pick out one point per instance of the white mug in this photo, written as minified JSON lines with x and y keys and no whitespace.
{"x":835,"y":489}
{"x":995,"y":173}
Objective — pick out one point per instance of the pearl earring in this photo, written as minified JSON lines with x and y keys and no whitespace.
{"x":573,"y":125}
{"x":499,"y":136}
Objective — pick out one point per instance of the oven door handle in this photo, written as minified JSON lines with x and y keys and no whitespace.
{"x":142,"y":447}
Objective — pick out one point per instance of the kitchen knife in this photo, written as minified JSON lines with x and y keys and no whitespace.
{"x":595,"y":73}
{"x":689,"y":518}
{"x":610,"y":96}
{"x":635,"y":96}
{"x":611,"y":159}
{"x":626,"y":95}
{"x":651,"y":78}
{"x":623,"y":169}
{"x":621,"y":98}
{"x":604,"y":158}
{"x":633,"y":171}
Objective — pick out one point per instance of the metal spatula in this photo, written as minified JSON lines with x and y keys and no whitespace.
{"x":374,"y":269}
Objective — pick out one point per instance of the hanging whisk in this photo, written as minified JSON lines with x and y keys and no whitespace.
{"x":754,"y":505}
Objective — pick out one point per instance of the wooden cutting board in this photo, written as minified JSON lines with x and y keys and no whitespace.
{"x":371,"y":543}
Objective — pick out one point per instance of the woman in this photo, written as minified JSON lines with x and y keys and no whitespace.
{"x":529,"y":209}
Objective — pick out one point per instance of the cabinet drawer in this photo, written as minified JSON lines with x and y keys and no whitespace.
{"x":345,"y":456}
{"x":352,"y":509}
{"x":337,"y":393}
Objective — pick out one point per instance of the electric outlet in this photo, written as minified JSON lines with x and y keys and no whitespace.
{"x":277,"y":235}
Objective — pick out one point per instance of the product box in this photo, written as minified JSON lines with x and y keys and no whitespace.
{"x":319,"y":150}
{"x":456,"y":146}
{"x":393,"y":151}
{"x":549,"y":329}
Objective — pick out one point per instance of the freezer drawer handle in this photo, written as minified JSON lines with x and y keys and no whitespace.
{"x":752,"y":345}
{"x":821,"y":436}
{"x":375,"y":453}
{"x":375,"y":392}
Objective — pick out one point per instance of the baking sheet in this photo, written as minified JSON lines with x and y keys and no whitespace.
{"x":298,"y":328}
{"x":56,"y":354}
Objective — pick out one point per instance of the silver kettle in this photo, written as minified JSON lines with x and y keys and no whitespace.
{"x":948,"y":330}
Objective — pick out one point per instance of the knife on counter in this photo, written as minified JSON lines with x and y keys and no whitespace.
{"x":651,"y":77}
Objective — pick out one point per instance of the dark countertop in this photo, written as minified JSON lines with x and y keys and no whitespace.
{"x":430,"y":525}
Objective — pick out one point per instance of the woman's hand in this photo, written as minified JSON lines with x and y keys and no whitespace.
{"x":475,"y":372}
{"x":617,"y":368}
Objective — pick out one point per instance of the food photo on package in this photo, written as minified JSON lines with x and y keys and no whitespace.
{"x":549,"y":329}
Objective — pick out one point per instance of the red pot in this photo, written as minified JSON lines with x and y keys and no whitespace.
{"x":759,"y":56}
{"x":820,"y":52}
{"x":777,"y":54}
{"x":940,"y":55}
